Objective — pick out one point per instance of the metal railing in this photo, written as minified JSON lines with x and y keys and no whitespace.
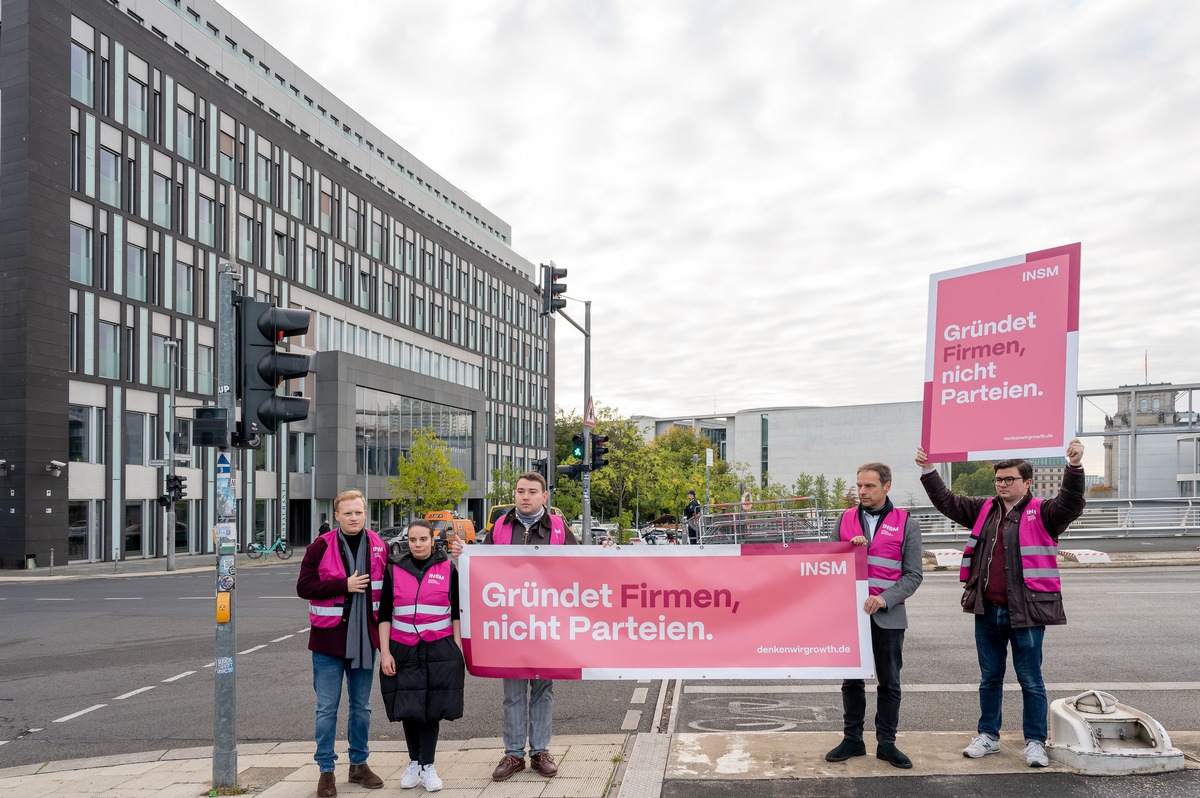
{"x":795,"y":519}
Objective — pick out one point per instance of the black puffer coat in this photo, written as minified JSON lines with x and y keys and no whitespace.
{"x":428,"y":685}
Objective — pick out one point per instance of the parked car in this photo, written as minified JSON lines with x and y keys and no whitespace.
{"x":393,"y":534}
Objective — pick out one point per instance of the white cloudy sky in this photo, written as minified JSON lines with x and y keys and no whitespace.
{"x":753,"y":194}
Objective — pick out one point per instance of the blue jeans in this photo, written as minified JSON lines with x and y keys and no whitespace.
{"x":528,"y":704}
{"x":993,"y":635}
{"x":327,"y":683}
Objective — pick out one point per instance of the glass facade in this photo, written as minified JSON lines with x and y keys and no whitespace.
{"x":384,"y":426}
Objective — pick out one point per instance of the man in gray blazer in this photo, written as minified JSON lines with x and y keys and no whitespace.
{"x":893,"y":542}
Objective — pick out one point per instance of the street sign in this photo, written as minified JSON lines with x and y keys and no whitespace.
{"x":158,"y":463}
{"x":708,"y":457}
{"x":589,"y":418}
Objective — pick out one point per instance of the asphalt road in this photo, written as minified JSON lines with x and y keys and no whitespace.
{"x":94,"y":667}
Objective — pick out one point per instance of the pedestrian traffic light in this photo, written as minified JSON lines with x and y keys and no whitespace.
{"x":551,"y":288}
{"x":164,"y":500}
{"x":540,"y":467}
{"x":599,"y":449}
{"x":260,"y":368}
{"x":577,"y":447}
{"x":180,"y":488}
{"x":572,"y":471}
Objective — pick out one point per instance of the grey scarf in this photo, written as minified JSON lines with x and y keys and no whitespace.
{"x":359,"y":650}
{"x":530,"y":520}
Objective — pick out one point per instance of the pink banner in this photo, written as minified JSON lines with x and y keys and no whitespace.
{"x":1002,"y":358}
{"x":744,"y":612}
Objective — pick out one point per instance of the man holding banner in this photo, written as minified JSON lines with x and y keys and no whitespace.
{"x":893,"y":541}
{"x":528,"y":703}
{"x":1012,"y":586}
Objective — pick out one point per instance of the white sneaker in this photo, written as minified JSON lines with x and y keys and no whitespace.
{"x":1035,"y":754}
{"x":412,"y":775}
{"x":429,"y":778}
{"x":981,"y":746}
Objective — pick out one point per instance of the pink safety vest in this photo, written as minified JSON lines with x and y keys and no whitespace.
{"x":503,"y":528}
{"x":421,"y":609}
{"x":885,"y":553}
{"x":1039,"y":551}
{"x":327,"y":613}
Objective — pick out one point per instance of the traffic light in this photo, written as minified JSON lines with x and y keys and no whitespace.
{"x":540,"y":467}
{"x":572,"y":471}
{"x":260,"y":368}
{"x":599,"y":449}
{"x":551,"y":288}
{"x":164,"y":500}
{"x":577,"y":447}
{"x":180,"y":488}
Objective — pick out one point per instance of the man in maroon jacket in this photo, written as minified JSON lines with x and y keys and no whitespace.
{"x":1010,"y":575}
{"x":341,"y":576}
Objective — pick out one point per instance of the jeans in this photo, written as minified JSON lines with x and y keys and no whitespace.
{"x":993,"y":635}
{"x":888,"y":648}
{"x":327,"y":683}
{"x":528,"y":704}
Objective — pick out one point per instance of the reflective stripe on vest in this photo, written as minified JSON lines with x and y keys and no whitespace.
{"x":421,"y":609}
{"x":327,"y":613}
{"x":503,"y":528}
{"x":1039,"y":551}
{"x":885,"y":552}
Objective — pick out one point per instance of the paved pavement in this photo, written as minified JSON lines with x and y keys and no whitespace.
{"x":612,"y":766}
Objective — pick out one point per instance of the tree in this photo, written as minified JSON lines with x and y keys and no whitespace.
{"x":427,"y":481}
{"x":977,"y":483}
{"x":504,"y":484}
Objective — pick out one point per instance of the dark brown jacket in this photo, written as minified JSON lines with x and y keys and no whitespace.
{"x":536,"y":535}
{"x":1025,"y":607}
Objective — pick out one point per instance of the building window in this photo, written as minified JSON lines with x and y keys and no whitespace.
{"x":225,"y":157}
{"x":135,"y":438}
{"x":206,"y":211}
{"x":160,"y":199}
{"x":204,"y":369}
{"x":108,"y":351}
{"x":245,"y":237}
{"x":184,"y":282}
{"x":340,"y":272}
{"x":135,"y":272}
{"x":185,"y":133}
{"x":263,"y":185}
{"x":81,"y":254}
{"x":309,"y":275}
{"x":79,"y":434}
{"x":138,"y":104}
{"x":81,"y":73}
{"x":326,"y":212}
{"x":110,"y":177}
{"x":297,"y":198}
{"x":160,"y":368}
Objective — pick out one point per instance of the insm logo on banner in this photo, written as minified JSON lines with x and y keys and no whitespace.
{"x":746,"y":612}
{"x":1002,"y":358}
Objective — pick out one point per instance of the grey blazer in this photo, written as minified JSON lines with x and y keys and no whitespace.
{"x":912,"y":572}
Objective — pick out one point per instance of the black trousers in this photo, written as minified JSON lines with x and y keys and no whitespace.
{"x":888,"y":647}
{"x":421,"y":738}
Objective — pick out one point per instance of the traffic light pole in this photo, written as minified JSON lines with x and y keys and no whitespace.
{"x":586,"y":329}
{"x":169,"y":532}
{"x":224,"y":770}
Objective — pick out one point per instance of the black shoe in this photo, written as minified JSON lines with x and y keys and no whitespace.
{"x":846,"y":749}
{"x":889,"y":753}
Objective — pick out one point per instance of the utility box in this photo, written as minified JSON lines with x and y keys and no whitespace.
{"x":1096,"y":735}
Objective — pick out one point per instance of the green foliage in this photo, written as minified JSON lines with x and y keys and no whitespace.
{"x":427,"y":481}
{"x":976,"y":483}
{"x":504,"y":484}
{"x":966,"y":467}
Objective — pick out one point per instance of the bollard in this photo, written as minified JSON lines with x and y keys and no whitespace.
{"x":52,"y":562}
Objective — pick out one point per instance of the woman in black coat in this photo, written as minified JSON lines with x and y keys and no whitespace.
{"x":421,"y":661}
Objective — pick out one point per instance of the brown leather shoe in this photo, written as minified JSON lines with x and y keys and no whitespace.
{"x":362,"y":774}
{"x":507,"y":767}
{"x":326,"y":786}
{"x":544,"y":763}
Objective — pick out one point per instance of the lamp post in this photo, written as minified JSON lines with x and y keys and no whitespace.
{"x":169,"y":532}
{"x":367,"y":478}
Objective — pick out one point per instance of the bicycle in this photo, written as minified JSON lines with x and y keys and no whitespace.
{"x":281,"y":548}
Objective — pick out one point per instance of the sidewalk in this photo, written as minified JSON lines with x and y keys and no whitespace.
{"x":591,"y":766}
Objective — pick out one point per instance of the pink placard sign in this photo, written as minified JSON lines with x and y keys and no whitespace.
{"x":744,"y":612}
{"x":1002,"y":358}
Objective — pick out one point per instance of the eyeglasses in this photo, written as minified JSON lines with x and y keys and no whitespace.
{"x":1005,"y":480}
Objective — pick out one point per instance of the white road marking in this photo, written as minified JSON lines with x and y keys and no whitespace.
{"x":279,"y":597}
{"x":1151,"y":592}
{"x":133,"y":693}
{"x":251,"y":650}
{"x":4,"y":742}
{"x":302,"y":631}
{"x":633,"y":719}
{"x":178,"y":677}
{"x":639,"y":695}
{"x":31,"y":731}
{"x":209,"y":665}
{"x":281,"y":639}
{"x":123,"y":598}
{"x":196,"y":598}
{"x":644,"y":681}
{"x":74,"y":715}
{"x":1058,"y":687}
{"x":55,"y":599}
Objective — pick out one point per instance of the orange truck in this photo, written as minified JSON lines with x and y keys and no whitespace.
{"x":446,"y":525}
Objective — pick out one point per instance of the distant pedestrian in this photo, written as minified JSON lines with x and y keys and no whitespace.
{"x":691,"y":515}
{"x":1010,"y":571}
{"x":341,"y":576}
{"x":421,"y":667}
{"x":894,"y":572}
{"x":324,"y":525}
